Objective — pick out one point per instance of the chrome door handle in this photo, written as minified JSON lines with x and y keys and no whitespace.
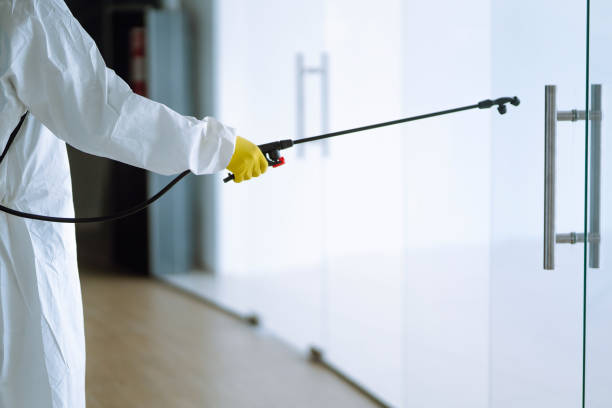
{"x":550,"y":173}
{"x":301,"y":71}
{"x":595,"y":176}
{"x":551,"y":116}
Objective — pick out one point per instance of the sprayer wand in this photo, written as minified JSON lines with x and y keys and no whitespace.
{"x":271,"y":151}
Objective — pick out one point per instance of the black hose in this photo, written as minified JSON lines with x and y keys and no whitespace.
{"x":104,"y":218}
{"x":79,"y":220}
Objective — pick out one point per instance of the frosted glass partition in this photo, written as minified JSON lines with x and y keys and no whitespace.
{"x":412,"y":255}
{"x":364,"y":205}
{"x":447,"y":209}
{"x":375,"y":251}
{"x":271,"y":230}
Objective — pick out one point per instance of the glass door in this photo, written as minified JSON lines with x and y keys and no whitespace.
{"x":598,"y":223}
{"x":270,"y":80}
{"x":414,"y":257}
{"x":538,"y":157}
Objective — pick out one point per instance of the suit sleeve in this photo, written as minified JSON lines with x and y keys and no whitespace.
{"x":61,"y":78}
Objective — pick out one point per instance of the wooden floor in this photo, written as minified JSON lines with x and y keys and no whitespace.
{"x":151,"y":346}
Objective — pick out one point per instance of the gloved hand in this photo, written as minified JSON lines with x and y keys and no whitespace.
{"x":248,"y":161}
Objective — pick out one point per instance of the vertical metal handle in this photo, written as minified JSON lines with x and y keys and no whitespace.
{"x":301,"y":71}
{"x":595,"y":181}
{"x":550,"y":138}
{"x":325,"y":101}
{"x":299,"y":102}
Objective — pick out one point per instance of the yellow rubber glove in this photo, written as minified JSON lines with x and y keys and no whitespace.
{"x":248,"y":161}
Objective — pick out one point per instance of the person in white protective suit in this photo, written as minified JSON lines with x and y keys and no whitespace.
{"x":51,"y":68}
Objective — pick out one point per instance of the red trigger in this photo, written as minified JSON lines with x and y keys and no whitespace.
{"x":281,"y":161}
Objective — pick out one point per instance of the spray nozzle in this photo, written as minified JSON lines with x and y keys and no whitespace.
{"x":501,"y":102}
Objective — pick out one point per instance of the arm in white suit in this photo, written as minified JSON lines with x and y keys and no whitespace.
{"x":59,"y":75}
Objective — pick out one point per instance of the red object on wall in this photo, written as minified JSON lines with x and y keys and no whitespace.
{"x":138,"y":74}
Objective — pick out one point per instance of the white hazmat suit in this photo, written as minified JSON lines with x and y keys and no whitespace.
{"x":50,"y":67}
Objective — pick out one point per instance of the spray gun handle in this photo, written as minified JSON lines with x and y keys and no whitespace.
{"x":271,"y":152}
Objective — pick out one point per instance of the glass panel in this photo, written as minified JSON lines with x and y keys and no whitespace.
{"x":364,"y":195}
{"x":536,"y":314}
{"x":412,"y":256}
{"x":326,"y":269}
{"x":447,"y":188}
{"x":446,"y":181}
{"x":271,"y":229}
{"x":598,"y":376}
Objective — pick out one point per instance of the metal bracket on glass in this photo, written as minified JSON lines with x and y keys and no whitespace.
{"x":575,"y":115}
{"x":551,"y":117}
{"x":576,"y":237}
{"x":301,"y":72}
